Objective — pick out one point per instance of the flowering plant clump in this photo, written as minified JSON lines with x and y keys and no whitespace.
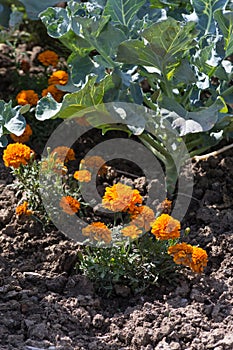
{"x":17,"y":154}
{"x":25,"y":135}
{"x":60,"y":77}
{"x":27,"y":97}
{"x":48,"y":58}
{"x":64,"y":153}
{"x":70,"y":205}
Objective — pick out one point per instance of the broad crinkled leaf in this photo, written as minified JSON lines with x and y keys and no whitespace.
{"x":123,"y":11}
{"x":225,"y":22}
{"x":205,"y":10}
{"x":47,"y":108}
{"x":56,"y":20}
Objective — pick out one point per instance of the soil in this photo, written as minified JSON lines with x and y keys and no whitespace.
{"x":46,"y":304}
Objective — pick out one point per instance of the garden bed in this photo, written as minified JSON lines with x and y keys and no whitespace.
{"x":46,"y":304}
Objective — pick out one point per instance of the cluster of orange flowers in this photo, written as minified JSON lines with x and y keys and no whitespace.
{"x":48,"y":58}
{"x":165,"y":227}
{"x":69,"y":205}
{"x":64,"y":154}
{"x":185,"y":254}
{"x":98,"y":231}
{"x":82,"y":175}
{"x":24,"y":137}
{"x":16,"y":154}
{"x":23,"y":209}
{"x":91,"y":163}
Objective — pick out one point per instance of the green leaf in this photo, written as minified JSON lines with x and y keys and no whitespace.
{"x":123,"y":11}
{"x":225,"y":22}
{"x":205,"y":10}
{"x":11,"y":119}
{"x":56,"y":20}
{"x":90,"y":95}
{"x":33,"y":8}
{"x":47,"y":108}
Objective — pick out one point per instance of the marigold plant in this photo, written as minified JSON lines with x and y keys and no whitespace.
{"x":24,"y":137}
{"x":120,"y":197}
{"x":185,"y":254}
{"x":82,"y":175}
{"x":97,"y":231}
{"x":131,"y":231}
{"x":48,"y":58}
{"x":54,"y":91}
{"x":25,"y":97}
{"x":64,"y":154}
{"x":142,"y":217}
{"x":23,"y":209}
{"x":16,"y":154}
{"x":166,"y":227}
{"x":60,"y":77}
{"x":69,"y":205}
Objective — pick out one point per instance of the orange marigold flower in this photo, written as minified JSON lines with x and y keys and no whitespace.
{"x":48,"y":58}
{"x":23,"y":209}
{"x":142,"y":217}
{"x":93,"y":162}
{"x":199,"y":259}
{"x":182,"y":253}
{"x":69,"y":205}
{"x":131,"y":231}
{"x":165,"y":227}
{"x":121,"y":197}
{"x":194,"y":257}
{"x":25,"y":97}
{"x":82,"y":175}
{"x":60,"y":77}
{"x":165,"y":207}
{"x":24,"y":137}
{"x":64,"y":154}
{"x":98,"y":231}
{"x":16,"y":154}
{"x":53,"y":90}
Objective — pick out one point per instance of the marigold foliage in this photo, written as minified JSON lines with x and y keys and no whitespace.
{"x":16,"y":154}
{"x":142,"y":217}
{"x":48,"y":58}
{"x":24,"y":137}
{"x":82,"y":175}
{"x":60,"y":77}
{"x":23,"y":209}
{"x":98,"y":231}
{"x":56,"y":166}
{"x":131,"y":231}
{"x":166,"y":227}
{"x":25,"y":97}
{"x":69,"y":205}
{"x":185,"y":254}
{"x":120,"y":197}
{"x":54,"y":91}
{"x":64,"y":154}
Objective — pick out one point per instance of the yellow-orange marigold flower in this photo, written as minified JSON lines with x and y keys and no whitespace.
{"x":24,"y":137}
{"x":142,"y":217}
{"x":23,"y":209}
{"x":182,"y":253}
{"x":120,"y":197}
{"x":93,"y":162}
{"x":53,"y":90}
{"x":69,"y":205}
{"x":16,"y":154}
{"x":60,"y":77}
{"x":25,"y":97}
{"x":64,"y":154}
{"x":131,"y":231}
{"x":185,"y":254}
{"x":166,"y":227}
{"x":82,"y":175}
{"x":48,"y":58}
{"x":98,"y":231}
{"x":199,"y":259}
